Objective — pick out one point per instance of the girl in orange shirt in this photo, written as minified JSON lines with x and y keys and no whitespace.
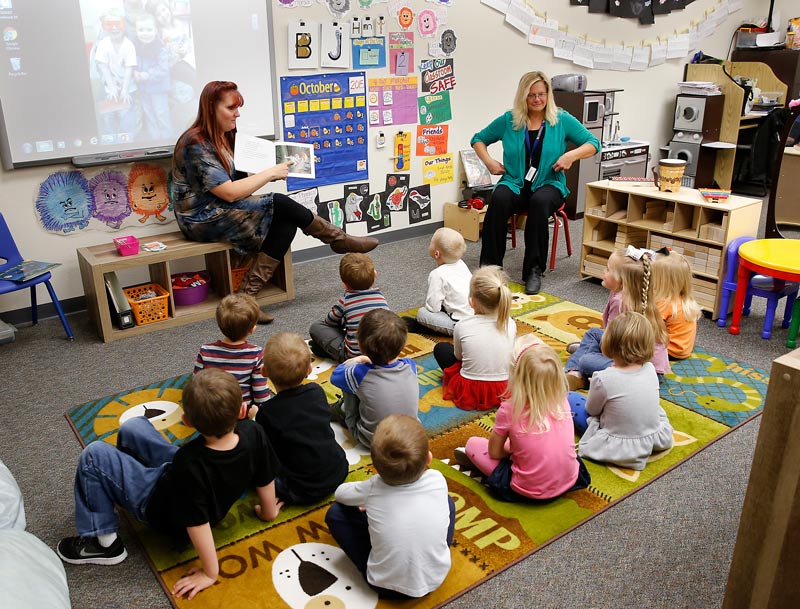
{"x":674,"y":296}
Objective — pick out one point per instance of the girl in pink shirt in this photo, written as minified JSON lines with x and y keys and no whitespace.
{"x":530,"y":453}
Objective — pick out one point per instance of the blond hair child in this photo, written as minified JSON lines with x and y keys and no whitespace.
{"x":674,"y":296}
{"x":237,"y":315}
{"x":475,"y":365}
{"x":626,"y":422}
{"x":397,"y":526}
{"x":628,"y":278}
{"x":530,"y":453}
{"x":447,"y":299}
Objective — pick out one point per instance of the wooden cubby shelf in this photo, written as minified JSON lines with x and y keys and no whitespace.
{"x":619,"y":214}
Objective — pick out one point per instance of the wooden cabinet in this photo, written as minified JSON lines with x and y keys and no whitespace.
{"x":97,"y":260}
{"x":785,"y":63}
{"x":619,"y":214}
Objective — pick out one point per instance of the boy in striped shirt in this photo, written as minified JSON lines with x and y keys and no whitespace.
{"x":336,"y":336}
{"x":237,"y":315}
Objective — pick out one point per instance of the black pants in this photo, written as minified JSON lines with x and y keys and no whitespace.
{"x":540,"y":205}
{"x":444,"y":354}
{"x":287,"y":216}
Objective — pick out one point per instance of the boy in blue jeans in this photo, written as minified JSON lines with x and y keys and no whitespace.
{"x":185,"y":489}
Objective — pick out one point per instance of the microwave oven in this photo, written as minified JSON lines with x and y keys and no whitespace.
{"x":594,"y":111}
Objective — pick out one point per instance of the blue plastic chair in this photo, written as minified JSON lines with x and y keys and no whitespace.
{"x":11,"y":256}
{"x":760,"y":285}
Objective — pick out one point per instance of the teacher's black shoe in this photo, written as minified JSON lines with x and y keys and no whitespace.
{"x":533,"y":283}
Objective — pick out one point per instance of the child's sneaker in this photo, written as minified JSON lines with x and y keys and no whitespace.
{"x":413,"y":326}
{"x":461,"y":457}
{"x":317,"y":350}
{"x":88,"y":551}
{"x":576,"y":380}
{"x":572,"y":347}
{"x":337,"y":411}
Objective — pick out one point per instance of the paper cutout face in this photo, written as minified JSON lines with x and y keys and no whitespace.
{"x":426,"y":22}
{"x":110,"y":193}
{"x":320,"y":576}
{"x":338,"y":8}
{"x":147,"y":191}
{"x":64,"y":202}
{"x":448,"y":42}
{"x":405,"y":17}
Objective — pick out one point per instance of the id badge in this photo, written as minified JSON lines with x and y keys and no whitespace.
{"x":531,"y":174}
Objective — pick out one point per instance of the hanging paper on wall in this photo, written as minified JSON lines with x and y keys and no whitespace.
{"x":434,"y":108}
{"x":402,"y":151}
{"x":147,"y":191}
{"x":307,"y":198}
{"x":438,"y":170}
{"x":333,"y":212}
{"x":369,"y":52}
{"x":392,"y":101}
{"x":405,"y":16}
{"x":397,"y":191}
{"x":110,"y":193}
{"x":64,"y":202}
{"x":295,"y":3}
{"x":338,"y":8}
{"x":429,"y":20}
{"x":446,"y":45}
{"x":328,"y":111}
{"x":377,"y":214}
{"x":401,"y":53}
{"x":419,"y":204}
{"x":335,"y":45}
{"x":437,"y":75}
{"x":303,"y":45}
{"x":356,"y":200}
{"x":432,"y":140}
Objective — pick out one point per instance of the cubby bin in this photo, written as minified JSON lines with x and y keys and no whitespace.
{"x":656,"y":219}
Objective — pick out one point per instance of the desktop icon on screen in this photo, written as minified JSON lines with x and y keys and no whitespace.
{"x":16,"y":63}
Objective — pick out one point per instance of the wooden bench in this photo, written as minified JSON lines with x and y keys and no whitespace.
{"x":97,"y":260}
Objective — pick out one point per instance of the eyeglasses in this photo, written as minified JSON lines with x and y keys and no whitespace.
{"x":537,"y":95}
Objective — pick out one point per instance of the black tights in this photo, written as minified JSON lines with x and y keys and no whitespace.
{"x":287,"y":216}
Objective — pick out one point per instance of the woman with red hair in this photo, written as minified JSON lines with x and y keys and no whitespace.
{"x":214,"y":202}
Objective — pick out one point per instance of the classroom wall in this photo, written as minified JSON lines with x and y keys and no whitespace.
{"x":489,"y":59}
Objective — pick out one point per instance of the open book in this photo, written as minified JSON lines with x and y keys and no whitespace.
{"x":253,"y":154}
{"x":476,"y":172}
{"x":27,"y":269}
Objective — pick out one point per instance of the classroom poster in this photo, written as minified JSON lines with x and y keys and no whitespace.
{"x":335,"y":43}
{"x":303,"y":41}
{"x":328,"y":111}
{"x":356,"y":199}
{"x":397,"y":189}
{"x":401,"y":53}
{"x":308,"y":199}
{"x":402,"y":151}
{"x":432,"y":140}
{"x":435,"y":108}
{"x":437,"y":75}
{"x":377,"y":214}
{"x":369,"y":52}
{"x":392,"y":101}
{"x":332,"y":211}
{"x":419,"y":204}
{"x":438,"y":169}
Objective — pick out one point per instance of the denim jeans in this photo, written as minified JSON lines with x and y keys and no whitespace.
{"x":588,"y":359}
{"x":125,"y":476}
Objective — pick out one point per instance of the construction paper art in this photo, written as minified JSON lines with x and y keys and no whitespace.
{"x":147,"y":191}
{"x":64,"y":202}
{"x":438,"y":169}
{"x":402,"y":151}
{"x":437,"y":75}
{"x":401,"y":53}
{"x":419,"y":204}
{"x":434,"y":109}
{"x":369,"y":52}
{"x":338,"y":8}
{"x":432,"y":140}
{"x":110,"y":194}
{"x":392,"y":101}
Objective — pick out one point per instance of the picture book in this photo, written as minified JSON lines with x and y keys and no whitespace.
{"x":253,"y":154}
{"x":27,"y":269}
{"x":476,"y":172}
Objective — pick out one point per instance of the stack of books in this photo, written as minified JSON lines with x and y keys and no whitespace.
{"x":699,"y":87}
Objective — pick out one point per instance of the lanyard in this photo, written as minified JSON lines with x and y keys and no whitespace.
{"x":535,"y":145}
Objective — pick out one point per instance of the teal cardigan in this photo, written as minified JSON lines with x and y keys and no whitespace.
{"x":554,"y":144}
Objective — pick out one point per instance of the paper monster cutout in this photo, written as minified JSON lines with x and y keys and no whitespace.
{"x":338,"y":8}
{"x":448,"y":42}
{"x":352,"y":208}
{"x":147,"y":191}
{"x":110,"y":193}
{"x":427,"y":22}
{"x":64,"y":202}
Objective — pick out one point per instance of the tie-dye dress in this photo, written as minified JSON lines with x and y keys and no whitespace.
{"x":204,"y":217}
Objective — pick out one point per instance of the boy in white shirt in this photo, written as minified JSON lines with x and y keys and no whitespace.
{"x":447,"y":300}
{"x":397,"y":526}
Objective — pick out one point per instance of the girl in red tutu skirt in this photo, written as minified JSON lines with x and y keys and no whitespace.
{"x":476,"y":364}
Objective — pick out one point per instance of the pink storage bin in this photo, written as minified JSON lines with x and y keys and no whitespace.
{"x":127,"y":246}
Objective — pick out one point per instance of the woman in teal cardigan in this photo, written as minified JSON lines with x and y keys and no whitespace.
{"x":534,"y":133}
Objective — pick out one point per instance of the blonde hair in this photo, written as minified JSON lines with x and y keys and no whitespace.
{"x":450,"y":243}
{"x":399,"y":449}
{"x":637,"y":294}
{"x":286,"y":360}
{"x":491,"y":295}
{"x":519,"y":112}
{"x":629,"y":338}
{"x":672,"y":283}
{"x":537,"y":385}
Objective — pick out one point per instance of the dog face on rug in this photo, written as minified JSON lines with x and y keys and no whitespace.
{"x":320,"y":576}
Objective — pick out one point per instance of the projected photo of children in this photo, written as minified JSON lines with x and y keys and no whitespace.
{"x":142,"y":68}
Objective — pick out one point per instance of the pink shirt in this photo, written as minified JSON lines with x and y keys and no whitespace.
{"x":544,"y":464}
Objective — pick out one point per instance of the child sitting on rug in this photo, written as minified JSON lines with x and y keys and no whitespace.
{"x":177,"y":490}
{"x":298,"y":424}
{"x":475,"y":365}
{"x":335,"y":336}
{"x":674,"y":296}
{"x":380,"y":382}
{"x":397,"y":526}
{"x":625,"y":422}
{"x":628,"y":279}
{"x":530,"y":453}
{"x":447,"y":300}
{"x":237,"y":315}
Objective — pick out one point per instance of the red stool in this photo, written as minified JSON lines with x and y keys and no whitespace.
{"x":558,"y":215}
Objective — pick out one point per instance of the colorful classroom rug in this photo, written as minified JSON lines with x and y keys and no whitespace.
{"x":294,"y":562}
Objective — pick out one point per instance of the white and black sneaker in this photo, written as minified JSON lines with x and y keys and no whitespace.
{"x":88,"y":551}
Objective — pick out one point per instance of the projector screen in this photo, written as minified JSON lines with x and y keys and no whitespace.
{"x":104,"y":81}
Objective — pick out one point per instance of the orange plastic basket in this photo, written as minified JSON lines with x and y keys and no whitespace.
{"x":148,"y":310}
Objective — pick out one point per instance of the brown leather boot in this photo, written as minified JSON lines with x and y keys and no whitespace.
{"x":340,"y":241}
{"x":257,"y":276}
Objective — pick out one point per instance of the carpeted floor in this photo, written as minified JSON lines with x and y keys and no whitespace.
{"x":489,"y":535}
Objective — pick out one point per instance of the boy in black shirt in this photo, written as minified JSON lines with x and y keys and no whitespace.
{"x":189,"y":488}
{"x":298,"y":423}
